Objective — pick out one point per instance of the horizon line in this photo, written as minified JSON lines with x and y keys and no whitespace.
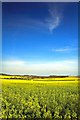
{"x":37,"y":75}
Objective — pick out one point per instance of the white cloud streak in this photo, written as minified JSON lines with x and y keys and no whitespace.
{"x":66,"y":49}
{"x":55,"y":18}
{"x":48,"y":23}
{"x":69,"y":67}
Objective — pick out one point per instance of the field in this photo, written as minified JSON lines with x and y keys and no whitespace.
{"x":54,"y":99}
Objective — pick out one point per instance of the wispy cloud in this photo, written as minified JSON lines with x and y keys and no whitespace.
{"x":51,"y":22}
{"x":69,"y":67}
{"x":66,"y":49}
{"x":54,"y":19}
{"x":47,"y":23}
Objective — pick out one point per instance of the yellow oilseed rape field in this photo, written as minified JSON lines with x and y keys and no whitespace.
{"x":40,"y":98}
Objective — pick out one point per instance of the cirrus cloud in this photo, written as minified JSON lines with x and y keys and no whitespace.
{"x":65,"y":49}
{"x":48,"y":23}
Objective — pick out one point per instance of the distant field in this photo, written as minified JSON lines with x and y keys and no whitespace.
{"x":41,"y":82}
{"x":55,"y":81}
{"x":71,"y":78}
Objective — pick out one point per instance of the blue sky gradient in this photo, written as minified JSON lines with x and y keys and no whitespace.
{"x":40,"y":33}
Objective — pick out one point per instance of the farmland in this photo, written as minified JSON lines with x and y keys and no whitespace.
{"x":48,"y":98}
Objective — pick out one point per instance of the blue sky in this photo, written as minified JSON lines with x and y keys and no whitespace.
{"x":40,"y":38}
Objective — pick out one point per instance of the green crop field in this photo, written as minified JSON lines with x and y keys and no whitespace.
{"x":34,"y":99}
